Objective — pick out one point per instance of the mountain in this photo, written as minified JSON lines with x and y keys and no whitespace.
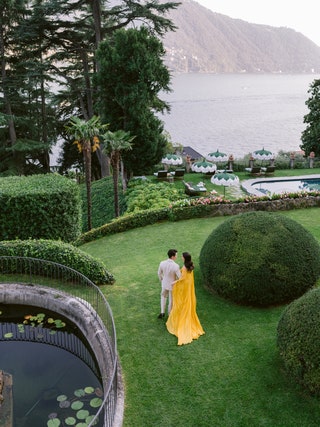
{"x":209,"y":42}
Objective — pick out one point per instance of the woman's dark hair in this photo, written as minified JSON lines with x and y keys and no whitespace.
{"x":187,"y":261}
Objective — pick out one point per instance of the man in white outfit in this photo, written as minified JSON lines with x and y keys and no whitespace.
{"x":168,"y":272}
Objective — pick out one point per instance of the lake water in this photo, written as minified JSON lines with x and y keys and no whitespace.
{"x":237,"y":113}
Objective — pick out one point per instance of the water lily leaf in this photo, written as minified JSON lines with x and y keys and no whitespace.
{"x":21,"y":328}
{"x":79,"y":393}
{"x":82,"y":425}
{"x":70,"y":421}
{"x":0,"y":312}
{"x":55,"y":422}
{"x":50,"y":320}
{"x":8,"y":335}
{"x":95,"y":402}
{"x":77,"y":405}
{"x":52,"y":415}
{"x":98,"y":391}
{"x":90,"y":418}
{"x":89,"y":390}
{"x":62,"y":397}
{"x":59,"y":323}
{"x":82,"y":414}
{"x":64,"y":404}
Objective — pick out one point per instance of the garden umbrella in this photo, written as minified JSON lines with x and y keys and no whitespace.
{"x":225,"y":179}
{"x":263,"y":154}
{"x":172,"y":159}
{"x":204,"y":167}
{"x":217,"y":156}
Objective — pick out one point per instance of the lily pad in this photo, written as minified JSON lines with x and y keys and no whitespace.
{"x":90,"y":418}
{"x":77,"y":405}
{"x":64,"y":404}
{"x":62,"y":397}
{"x":70,"y":421}
{"x":55,"y":422}
{"x":89,"y":390}
{"x":98,"y":391}
{"x":8,"y":335}
{"x":82,"y":414}
{"x":95,"y":402}
{"x":79,"y":392}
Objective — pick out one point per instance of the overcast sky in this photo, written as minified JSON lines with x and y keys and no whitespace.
{"x":302,"y":16}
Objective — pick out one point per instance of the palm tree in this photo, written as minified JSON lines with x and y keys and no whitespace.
{"x":116,"y":142}
{"x":85,"y":133}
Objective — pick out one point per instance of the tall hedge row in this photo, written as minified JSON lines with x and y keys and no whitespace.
{"x":39,"y":207}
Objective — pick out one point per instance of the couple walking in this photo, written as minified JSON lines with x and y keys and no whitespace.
{"x":177,"y":286}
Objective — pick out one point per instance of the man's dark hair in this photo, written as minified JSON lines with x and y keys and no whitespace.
{"x":172,"y":252}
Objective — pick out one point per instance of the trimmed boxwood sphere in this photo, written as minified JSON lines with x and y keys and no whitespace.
{"x":299,"y":340}
{"x":260,"y":259}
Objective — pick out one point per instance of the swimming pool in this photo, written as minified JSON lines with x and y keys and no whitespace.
{"x":270,"y":186}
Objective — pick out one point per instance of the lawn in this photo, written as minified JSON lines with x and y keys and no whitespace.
{"x":230,"y":377}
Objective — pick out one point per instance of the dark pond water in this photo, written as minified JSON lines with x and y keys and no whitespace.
{"x":48,"y":380}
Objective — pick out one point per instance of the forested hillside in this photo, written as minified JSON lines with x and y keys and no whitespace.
{"x":210,"y":42}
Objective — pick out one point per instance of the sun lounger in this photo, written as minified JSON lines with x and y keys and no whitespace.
{"x":163,"y":175}
{"x":194,"y":189}
{"x":178,"y":173}
{"x":269,"y":170}
{"x":255,"y":171}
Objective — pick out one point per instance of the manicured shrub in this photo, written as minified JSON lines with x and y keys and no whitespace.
{"x":260,"y":259}
{"x":39,"y":207}
{"x":61,"y":253}
{"x":143,"y":194}
{"x":298,"y":339}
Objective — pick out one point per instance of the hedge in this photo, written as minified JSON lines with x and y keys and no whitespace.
{"x":39,"y":207}
{"x":61,"y":253}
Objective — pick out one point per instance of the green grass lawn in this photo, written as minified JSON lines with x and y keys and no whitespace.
{"x":231,"y":376}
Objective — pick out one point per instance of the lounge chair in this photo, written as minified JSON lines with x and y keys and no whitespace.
{"x":178,"y":173}
{"x":163,"y":175}
{"x":269,"y":170}
{"x":193,"y":189}
{"x":255,"y":171}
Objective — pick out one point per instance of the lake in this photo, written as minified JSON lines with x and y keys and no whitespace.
{"x":237,"y":113}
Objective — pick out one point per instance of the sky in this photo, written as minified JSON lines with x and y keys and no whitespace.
{"x":301,"y":16}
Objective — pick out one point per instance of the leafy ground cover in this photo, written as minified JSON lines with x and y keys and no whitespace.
{"x":232,"y":376}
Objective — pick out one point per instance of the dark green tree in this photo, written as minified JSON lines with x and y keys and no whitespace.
{"x":49,"y":46}
{"x":130,"y":77}
{"x":311,"y":135}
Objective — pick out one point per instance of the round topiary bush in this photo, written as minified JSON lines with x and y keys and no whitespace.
{"x":298,"y":339}
{"x":260,"y":259}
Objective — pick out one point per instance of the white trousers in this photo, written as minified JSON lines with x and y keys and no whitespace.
{"x":165,"y":293}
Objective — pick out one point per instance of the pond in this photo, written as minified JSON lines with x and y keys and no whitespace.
{"x":54,"y":373}
{"x":270,"y":186}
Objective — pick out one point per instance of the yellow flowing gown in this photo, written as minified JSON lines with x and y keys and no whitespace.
{"x":183,"y":321}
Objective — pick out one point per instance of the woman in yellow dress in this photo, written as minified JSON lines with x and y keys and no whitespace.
{"x":183,"y":321}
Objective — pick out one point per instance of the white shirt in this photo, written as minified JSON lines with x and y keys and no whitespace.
{"x":168,"y":272}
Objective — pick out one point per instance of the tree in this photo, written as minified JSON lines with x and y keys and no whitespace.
{"x":130,"y":78}
{"x":311,"y":135}
{"x":116,"y":142}
{"x":87,"y":140}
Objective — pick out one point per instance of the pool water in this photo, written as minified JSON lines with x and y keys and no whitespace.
{"x":272,"y":186}
{"x":43,"y":372}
